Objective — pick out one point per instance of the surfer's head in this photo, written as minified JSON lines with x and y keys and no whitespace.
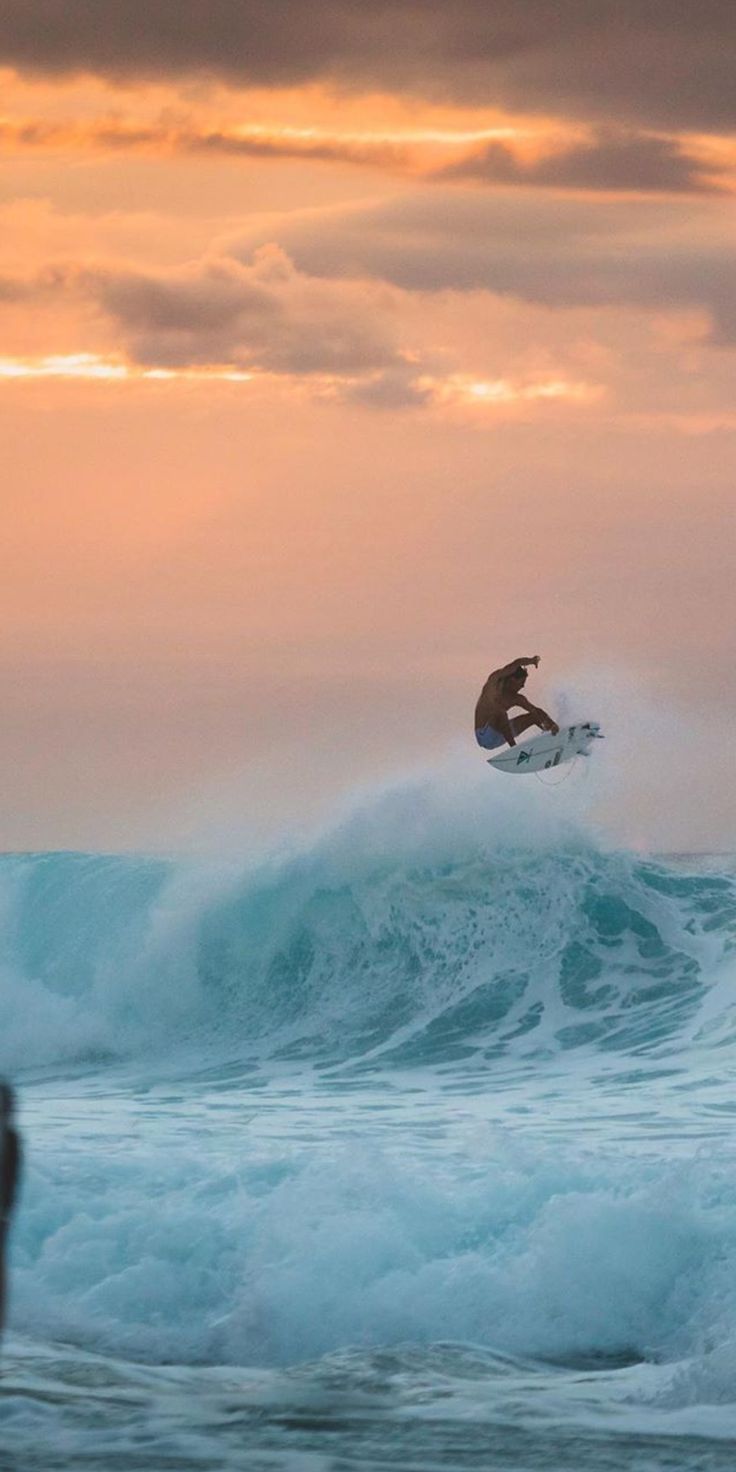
{"x":517,"y":677}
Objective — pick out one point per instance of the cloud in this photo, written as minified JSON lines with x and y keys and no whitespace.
{"x":339,"y":291}
{"x":12,"y":290}
{"x":648,"y":60}
{"x":166,"y":137}
{"x":263,"y":315}
{"x":558,"y":252}
{"x":48,"y":282}
{"x":612,"y":160}
{"x":229,"y":320}
{"x":397,"y":387}
{"x":259,"y":316}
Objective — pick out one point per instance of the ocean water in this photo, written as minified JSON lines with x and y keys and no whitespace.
{"x":414,"y":1149}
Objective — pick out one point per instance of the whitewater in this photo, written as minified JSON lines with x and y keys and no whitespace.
{"x":412,"y":1147}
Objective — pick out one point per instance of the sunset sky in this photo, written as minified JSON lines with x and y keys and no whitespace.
{"x":348,"y":350}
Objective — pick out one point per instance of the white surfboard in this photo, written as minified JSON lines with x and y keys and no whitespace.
{"x":545,"y":750}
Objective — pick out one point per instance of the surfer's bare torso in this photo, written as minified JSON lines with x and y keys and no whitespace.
{"x":502,"y":693}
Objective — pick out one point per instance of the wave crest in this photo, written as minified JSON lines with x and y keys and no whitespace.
{"x":404,"y":937}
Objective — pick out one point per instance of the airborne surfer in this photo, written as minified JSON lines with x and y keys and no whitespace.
{"x":502,"y":693}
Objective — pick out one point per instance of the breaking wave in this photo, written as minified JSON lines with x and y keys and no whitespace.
{"x":408,"y":935}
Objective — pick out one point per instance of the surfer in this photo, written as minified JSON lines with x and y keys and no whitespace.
{"x":9,"y":1175}
{"x":502,"y":693}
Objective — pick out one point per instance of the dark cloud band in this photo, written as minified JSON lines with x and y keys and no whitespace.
{"x":662,"y":61}
{"x":614,"y":160}
{"x":661,"y":254}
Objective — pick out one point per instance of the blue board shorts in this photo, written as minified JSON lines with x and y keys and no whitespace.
{"x":489,"y":738}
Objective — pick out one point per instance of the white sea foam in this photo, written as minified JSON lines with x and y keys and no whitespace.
{"x":276,"y":1255}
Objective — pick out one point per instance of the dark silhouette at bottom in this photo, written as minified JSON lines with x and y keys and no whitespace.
{"x":9,"y":1177}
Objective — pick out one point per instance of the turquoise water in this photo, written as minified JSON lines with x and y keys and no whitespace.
{"x":415,"y":1149}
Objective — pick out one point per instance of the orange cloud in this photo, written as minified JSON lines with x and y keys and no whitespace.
{"x":96,"y":368}
{"x":399,"y":388}
{"x":110,"y":135}
{"x":611,"y":159}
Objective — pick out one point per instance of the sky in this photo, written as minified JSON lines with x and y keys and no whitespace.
{"x":347,"y":351}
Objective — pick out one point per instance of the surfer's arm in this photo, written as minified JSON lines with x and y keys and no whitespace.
{"x":545,"y":721}
{"x":509,"y":669}
{"x":541,"y":717}
{"x":534,"y":710}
